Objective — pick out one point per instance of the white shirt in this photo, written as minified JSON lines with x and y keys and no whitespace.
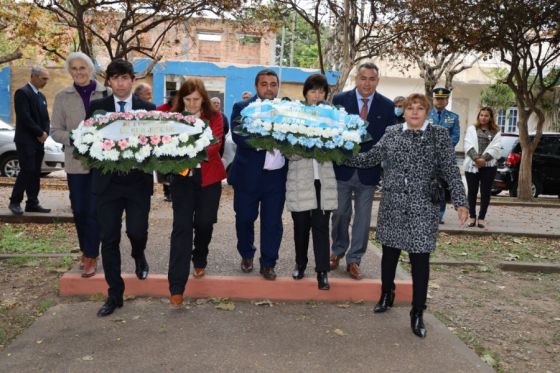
{"x":33,"y":88}
{"x":274,"y":160}
{"x":424,"y":126}
{"x":127,"y":106}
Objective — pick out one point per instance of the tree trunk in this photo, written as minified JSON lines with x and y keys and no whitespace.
{"x":525,"y":178}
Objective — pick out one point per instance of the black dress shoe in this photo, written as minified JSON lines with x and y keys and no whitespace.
{"x":268,"y":273}
{"x":298,"y":273}
{"x":15,"y":208}
{"x":417,"y":322}
{"x":323,"y":281}
{"x":142,"y":267}
{"x":385,"y":302}
{"x":109,"y":307}
{"x":37,"y":208}
{"x":247,"y":265}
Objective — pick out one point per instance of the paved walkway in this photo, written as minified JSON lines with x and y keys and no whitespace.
{"x":147,"y":336}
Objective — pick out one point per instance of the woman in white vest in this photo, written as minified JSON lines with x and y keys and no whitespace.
{"x":482,"y":149}
{"x":311,"y":195}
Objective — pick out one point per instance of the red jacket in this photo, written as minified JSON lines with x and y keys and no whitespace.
{"x":213,"y":169}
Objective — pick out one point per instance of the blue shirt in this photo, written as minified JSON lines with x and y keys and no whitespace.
{"x":361,"y":103}
{"x":448,"y":120}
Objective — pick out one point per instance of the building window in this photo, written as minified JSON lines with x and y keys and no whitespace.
{"x":507,"y":120}
{"x":209,"y":36}
{"x":249,"y":39}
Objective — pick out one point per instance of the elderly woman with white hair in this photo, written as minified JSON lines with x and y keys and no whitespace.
{"x":70,"y":107}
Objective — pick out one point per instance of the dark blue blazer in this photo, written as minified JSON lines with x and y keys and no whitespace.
{"x":101,"y":181}
{"x":247,"y":166}
{"x":381,"y":115}
{"x":32,"y":116}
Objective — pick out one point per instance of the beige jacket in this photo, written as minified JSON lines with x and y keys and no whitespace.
{"x":300,"y":185}
{"x":68,"y":112}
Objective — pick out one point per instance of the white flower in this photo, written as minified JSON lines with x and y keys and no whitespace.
{"x":127,"y":154}
{"x":111,"y":155}
{"x":184,"y":137}
{"x":96,"y":151}
{"x":87,"y":138}
{"x":133,"y":141}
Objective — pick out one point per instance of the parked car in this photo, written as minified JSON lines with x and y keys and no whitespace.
{"x":9,"y":164}
{"x":508,"y":141}
{"x":546,"y":166}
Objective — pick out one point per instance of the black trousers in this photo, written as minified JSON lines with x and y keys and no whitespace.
{"x":483,"y":178}
{"x":420,"y":263}
{"x":194,"y":209}
{"x":130,"y":196}
{"x":317,"y":221}
{"x":30,"y":158}
{"x":83,"y":202}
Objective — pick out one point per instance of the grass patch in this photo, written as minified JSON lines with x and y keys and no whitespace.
{"x":22,"y":260}
{"x":497,"y":248}
{"x":45,"y":304}
{"x":35,"y":239}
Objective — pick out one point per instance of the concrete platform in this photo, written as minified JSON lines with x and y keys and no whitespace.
{"x":146,"y":335}
{"x":241,"y":287}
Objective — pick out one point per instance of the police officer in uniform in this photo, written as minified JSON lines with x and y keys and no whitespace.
{"x":440,"y":116}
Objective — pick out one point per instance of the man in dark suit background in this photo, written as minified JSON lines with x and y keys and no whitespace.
{"x":258,"y":178}
{"x":117,"y":192}
{"x":32,"y":130}
{"x":378,"y":110}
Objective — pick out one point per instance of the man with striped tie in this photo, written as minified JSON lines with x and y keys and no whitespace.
{"x":378,"y":111}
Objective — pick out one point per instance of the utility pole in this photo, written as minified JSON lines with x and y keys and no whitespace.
{"x":292,"y":39}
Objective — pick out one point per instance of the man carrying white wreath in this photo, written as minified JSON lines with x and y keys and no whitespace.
{"x":119,"y":192}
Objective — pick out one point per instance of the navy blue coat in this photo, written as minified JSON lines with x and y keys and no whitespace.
{"x":247,"y":166}
{"x":381,"y":115}
{"x":32,"y":117}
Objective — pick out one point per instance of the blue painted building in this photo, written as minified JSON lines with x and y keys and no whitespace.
{"x":5,"y":95}
{"x":236,"y":78}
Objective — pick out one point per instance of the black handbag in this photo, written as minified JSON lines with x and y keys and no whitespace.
{"x":438,"y":186}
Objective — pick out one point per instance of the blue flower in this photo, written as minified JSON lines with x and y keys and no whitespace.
{"x":279,"y":135}
{"x":330,"y":145}
{"x":292,"y":139}
{"x":349,"y":145}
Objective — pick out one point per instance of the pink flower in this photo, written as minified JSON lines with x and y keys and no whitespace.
{"x":108,"y":144}
{"x":123,"y":144}
{"x":142,"y":140}
{"x":179,"y":116}
{"x":115,"y":115}
{"x":190,"y":118}
{"x":140,"y":115}
{"x":155,"y":139}
{"x":128,"y":116}
{"x":88,"y":122}
{"x":103,"y":120}
{"x":166,"y":139}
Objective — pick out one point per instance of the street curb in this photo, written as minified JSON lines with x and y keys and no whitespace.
{"x":36,"y":255}
{"x":529,"y":267}
{"x":486,"y":232}
{"x":34,"y":217}
{"x":241,"y":287}
{"x":456,"y":263}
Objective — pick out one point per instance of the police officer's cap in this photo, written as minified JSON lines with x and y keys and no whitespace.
{"x":441,"y":92}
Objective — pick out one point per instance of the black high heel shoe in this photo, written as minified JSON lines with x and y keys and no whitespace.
{"x":323,"y":281}
{"x":298,"y":273}
{"x":417,"y":322}
{"x":472,"y":224}
{"x":385,"y":302}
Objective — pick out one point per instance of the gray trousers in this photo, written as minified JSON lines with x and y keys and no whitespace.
{"x":363,"y":200}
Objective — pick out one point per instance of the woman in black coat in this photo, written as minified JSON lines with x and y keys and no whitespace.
{"x":408,"y":220}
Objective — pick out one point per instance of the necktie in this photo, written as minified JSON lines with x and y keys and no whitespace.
{"x":364,"y":110}
{"x":121,"y":106}
{"x":439,"y":117}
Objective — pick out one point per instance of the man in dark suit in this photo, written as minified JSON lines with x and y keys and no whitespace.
{"x":378,"y":110}
{"x":258,"y":178}
{"x":32,"y":130}
{"x":117,"y":192}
